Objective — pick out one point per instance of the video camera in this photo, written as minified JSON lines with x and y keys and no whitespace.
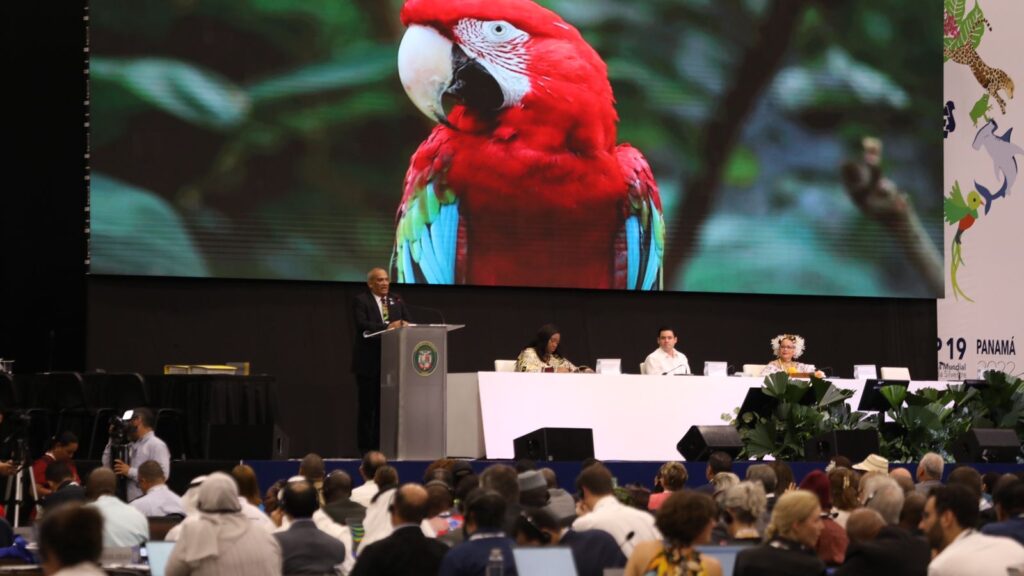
{"x":121,"y":429}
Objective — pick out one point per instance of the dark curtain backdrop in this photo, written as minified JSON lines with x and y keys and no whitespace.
{"x":302,"y":333}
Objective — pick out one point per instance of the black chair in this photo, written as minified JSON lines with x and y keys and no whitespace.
{"x":32,"y":423}
{"x":63,"y":395}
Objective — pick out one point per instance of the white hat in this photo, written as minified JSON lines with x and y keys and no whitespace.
{"x":873,"y":463}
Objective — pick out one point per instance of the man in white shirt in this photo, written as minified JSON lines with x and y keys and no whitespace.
{"x":159,"y":500}
{"x":122,"y":525}
{"x":600,"y":510}
{"x":950,"y":515}
{"x":145,"y":446}
{"x":371,"y":461}
{"x":666,"y":359}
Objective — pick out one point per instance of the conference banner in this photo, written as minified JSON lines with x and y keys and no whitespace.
{"x":982,"y":312}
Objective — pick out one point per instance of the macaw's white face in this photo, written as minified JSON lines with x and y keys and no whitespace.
{"x":485,"y":68}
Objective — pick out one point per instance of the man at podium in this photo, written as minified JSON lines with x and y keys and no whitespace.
{"x":374,"y":311}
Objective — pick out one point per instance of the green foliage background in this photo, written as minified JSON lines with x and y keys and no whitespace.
{"x":269,"y":138}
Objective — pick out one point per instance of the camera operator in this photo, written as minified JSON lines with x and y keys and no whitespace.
{"x":145,"y":446}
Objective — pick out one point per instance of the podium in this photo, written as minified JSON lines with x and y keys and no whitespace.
{"x":413,"y":372}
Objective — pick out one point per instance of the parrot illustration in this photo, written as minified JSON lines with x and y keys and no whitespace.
{"x":962,"y":213}
{"x":521,"y":182}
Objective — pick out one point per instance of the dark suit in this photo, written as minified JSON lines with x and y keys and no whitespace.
{"x":593,"y":551}
{"x":305,"y":549}
{"x":69,"y":491}
{"x":366,"y":362}
{"x":790,"y":559}
{"x":406,"y":551}
{"x":893,"y":551}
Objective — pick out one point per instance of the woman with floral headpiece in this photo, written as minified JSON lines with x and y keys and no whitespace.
{"x":787,"y":348}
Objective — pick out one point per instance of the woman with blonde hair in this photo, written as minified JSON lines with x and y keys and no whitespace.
{"x":791,"y":537}
{"x":672,"y":478}
{"x":685,"y":521}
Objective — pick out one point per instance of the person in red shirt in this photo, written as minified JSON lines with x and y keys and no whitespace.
{"x":63,"y":447}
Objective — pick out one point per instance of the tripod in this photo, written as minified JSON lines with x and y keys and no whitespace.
{"x":22,"y":484}
{"x":119,"y":451}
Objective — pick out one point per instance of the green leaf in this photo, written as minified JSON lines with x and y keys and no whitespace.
{"x":956,"y":8}
{"x":355,"y":69}
{"x":743,"y":168}
{"x":972,"y":28}
{"x":134,"y":231}
{"x":894,"y":394}
{"x":180,"y":89}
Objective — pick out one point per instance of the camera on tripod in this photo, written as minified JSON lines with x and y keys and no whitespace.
{"x":121,"y":429}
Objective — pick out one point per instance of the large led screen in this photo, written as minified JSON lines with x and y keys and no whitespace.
{"x":750,"y":146}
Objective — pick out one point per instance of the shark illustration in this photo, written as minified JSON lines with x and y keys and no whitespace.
{"x":1002,"y":152}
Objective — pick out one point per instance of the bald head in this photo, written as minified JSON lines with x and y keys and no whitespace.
{"x":863,"y":525}
{"x":409,"y":505}
{"x":102,"y":482}
{"x":337,"y":485}
{"x":903,"y":478}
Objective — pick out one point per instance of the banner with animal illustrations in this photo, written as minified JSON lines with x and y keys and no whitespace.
{"x":983,"y":204}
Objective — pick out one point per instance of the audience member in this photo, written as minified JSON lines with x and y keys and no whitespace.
{"x":485,"y":520}
{"x":832,"y":542}
{"x":592,"y":550}
{"x":406,"y":550}
{"x":742,"y":508}
{"x":561,"y":504}
{"x":903,"y":477}
{"x":784,"y":478}
{"x":371,"y":461}
{"x":600,"y":510}
{"x":71,"y":542}
{"x":722,"y":482}
{"x":684,"y":520}
{"x":873,"y":463}
{"x":718,"y":461}
{"x":305,"y":549}
{"x":950,"y":515}
{"x":791,"y":537}
{"x":220,"y":540}
{"x":988,"y":485}
{"x":122,"y":524}
{"x":533,"y":489}
{"x":929,"y":472}
{"x":377,"y":525}
{"x":441,"y":512}
{"x":62,"y":449}
{"x":62,"y":485}
{"x":270,"y":503}
{"x":322,"y":521}
{"x":843,"y":486}
{"x":158,"y":500}
{"x":312,"y":468}
{"x":340,"y":506}
{"x":248,"y":485}
{"x":145,"y":446}
{"x":504,"y":480}
{"x":671,"y":478}
{"x":885,"y":496}
{"x":765,"y":475}
{"x":877,"y":548}
{"x":910,"y":516}
{"x":971,"y":479}
{"x":1009,"y":507}
{"x":190,"y":502}
{"x":524,"y":465}
{"x":666,"y":359}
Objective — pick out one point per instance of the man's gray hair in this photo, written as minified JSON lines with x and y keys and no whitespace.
{"x":887,"y":500}
{"x":932,"y":464}
{"x":764,"y":474}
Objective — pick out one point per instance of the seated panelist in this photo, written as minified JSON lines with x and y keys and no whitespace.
{"x":787,"y":348}
{"x":666,"y":359}
{"x":542,"y":354}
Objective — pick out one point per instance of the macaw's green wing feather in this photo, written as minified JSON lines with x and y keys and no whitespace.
{"x":427,"y":236}
{"x":640,"y":246}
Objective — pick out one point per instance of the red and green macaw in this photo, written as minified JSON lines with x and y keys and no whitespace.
{"x":522,"y":182}
{"x":962,"y":213}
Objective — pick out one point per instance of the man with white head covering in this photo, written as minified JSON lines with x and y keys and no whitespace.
{"x":221,"y":540}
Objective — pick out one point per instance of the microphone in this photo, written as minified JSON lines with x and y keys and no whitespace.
{"x":423,"y":309}
{"x":827,"y":370}
{"x":673,"y":369}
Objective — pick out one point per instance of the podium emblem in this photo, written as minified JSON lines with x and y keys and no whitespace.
{"x":424,"y":356}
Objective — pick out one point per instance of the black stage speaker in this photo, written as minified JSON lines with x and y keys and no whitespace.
{"x":854,"y":444}
{"x":700,"y":441}
{"x":987,"y":445}
{"x":246,"y":442}
{"x":555,"y":444}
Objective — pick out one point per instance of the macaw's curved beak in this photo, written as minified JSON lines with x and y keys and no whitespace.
{"x":431,"y":66}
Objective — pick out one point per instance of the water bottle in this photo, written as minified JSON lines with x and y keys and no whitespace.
{"x":496,"y":563}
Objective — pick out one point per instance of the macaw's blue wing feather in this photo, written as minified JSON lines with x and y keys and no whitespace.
{"x":426,"y":236}
{"x":655,"y":248}
{"x":634,"y":240}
